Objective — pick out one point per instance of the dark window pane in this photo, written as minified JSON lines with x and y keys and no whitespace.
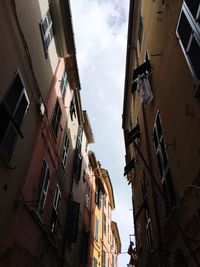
{"x":20,"y":112}
{"x":9,"y":141}
{"x":159,"y":163}
{"x":45,"y":25}
{"x":155,"y":138}
{"x":4,"y":118}
{"x":184,"y":30}
{"x":159,"y":127}
{"x":14,"y":94}
{"x":46,"y":181}
{"x":164,"y":154}
{"x":193,"y":6}
{"x":56,"y":118}
{"x":170,"y":189}
{"x":193,"y":53}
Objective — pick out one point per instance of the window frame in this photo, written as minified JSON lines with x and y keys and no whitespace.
{"x":165,"y":174}
{"x":65,"y":150}
{"x":12,"y":122}
{"x":96,"y":236}
{"x":104,"y":259}
{"x":40,"y":204}
{"x":48,"y":32}
{"x":195,"y":34}
{"x":55,"y":119}
{"x":63,"y":84}
{"x":104,"y":223}
{"x":55,"y":208}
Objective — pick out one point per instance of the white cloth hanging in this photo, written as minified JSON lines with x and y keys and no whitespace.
{"x":146,"y":95}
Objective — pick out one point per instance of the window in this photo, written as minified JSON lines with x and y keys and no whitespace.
{"x":113,"y":262}
{"x":104,"y":223}
{"x":188,"y":31}
{"x":163,"y":166}
{"x":47,"y":31}
{"x":95,"y":263}
{"x":96,"y":229}
{"x":63,"y":84}
{"x":78,"y":155}
{"x":149,"y":236}
{"x":42,"y":187}
{"x":87,"y":195}
{"x":56,"y":118}
{"x":56,"y":203}
{"x":141,"y":31}
{"x":98,"y":196}
{"x":13,"y":108}
{"x":65,"y":150}
{"x":104,"y":258}
{"x":73,"y":108}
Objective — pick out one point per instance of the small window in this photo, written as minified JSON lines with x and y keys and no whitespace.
{"x":188,"y":31}
{"x":141,"y":31}
{"x":163,"y":165}
{"x":104,"y":223}
{"x":63,"y":84}
{"x":77,"y":165}
{"x":42,"y":187}
{"x":56,"y":118}
{"x":73,"y":108}
{"x":87,"y":195}
{"x":95,"y":263}
{"x":96,"y":229}
{"x":98,"y":196}
{"x":13,"y":108}
{"x":56,"y":203}
{"x":65,"y":150}
{"x":104,"y":258}
{"x":47,"y":31}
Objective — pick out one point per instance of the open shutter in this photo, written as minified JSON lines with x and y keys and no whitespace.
{"x":133,"y":134}
{"x":129,"y":167}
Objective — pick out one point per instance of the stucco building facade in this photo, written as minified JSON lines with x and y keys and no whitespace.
{"x":161,"y":129}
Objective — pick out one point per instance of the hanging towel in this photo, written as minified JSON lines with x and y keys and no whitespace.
{"x":146,"y":95}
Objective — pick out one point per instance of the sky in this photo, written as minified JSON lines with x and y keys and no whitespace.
{"x":100,"y":32}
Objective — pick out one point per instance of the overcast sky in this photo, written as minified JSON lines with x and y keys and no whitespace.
{"x":100,"y":31}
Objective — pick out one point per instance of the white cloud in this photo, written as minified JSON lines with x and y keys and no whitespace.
{"x":100,"y":28}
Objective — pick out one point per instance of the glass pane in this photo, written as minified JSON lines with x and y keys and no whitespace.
{"x":184,"y":30}
{"x":193,"y":53}
{"x":155,"y":138}
{"x":45,"y":25}
{"x":14,"y":94}
{"x":164,"y":153}
{"x":193,"y":6}
{"x":46,"y":180}
{"x":4,"y":118}
{"x":159,"y":163}
{"x":159,"y":128}
{"x":9,"y":140}
{"x":21,"y":110}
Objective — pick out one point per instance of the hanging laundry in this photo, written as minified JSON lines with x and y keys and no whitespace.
{"x":146,"y":95}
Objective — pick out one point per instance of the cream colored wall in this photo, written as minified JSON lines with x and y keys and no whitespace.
{"x":13,"y":57}
{"x":173,"y":89}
